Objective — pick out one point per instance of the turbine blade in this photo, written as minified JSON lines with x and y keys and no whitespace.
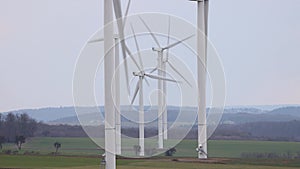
{"x":153,"y":70}
{"x":96,"y":40}
{"x":168,"y":42}
{"x":127,"y":10}
{"x":160,"y":78}
{"x":117,"y":9}
{"x":138,"y":48}
{"x":175,"y":70}
{"x":118,"y":13}
{"x":135,"y":92}
{"x":177,"y":43}
{"x":131,"y":56}
{"x":146,"y":80}
{"x":151,"y":33}
{"x":206,"y":8}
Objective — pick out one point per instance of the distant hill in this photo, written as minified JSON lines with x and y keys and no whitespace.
{"x":239,"y":118}
{"x":49,"y":114}
{"x":129,"y":117}
{"x":232,"y":115}
{"x":292,"y":111}
{"x":244,"y":110}
{"x":263,"y":107}
{"x":46,"y":114}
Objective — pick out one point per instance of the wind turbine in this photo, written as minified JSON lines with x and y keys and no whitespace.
{"x":141,"y":74}
{"x":116,"y":92}
{"x":107,"y":15}
{"x":202,"y":25}
{"x":109,"y":70}
{"x":161,"y":68}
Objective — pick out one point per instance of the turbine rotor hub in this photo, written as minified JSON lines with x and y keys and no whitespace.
{"x":157,"y":49}
{"x":140,"y":74}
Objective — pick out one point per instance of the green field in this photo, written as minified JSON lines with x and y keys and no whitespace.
{"x":216,"y":148}
{"x":83,"y":153}
{"x":59,"y":162}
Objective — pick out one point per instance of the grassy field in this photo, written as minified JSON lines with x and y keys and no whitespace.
{"x":46,"y":162}
{"x":216,"y":148}
{"x":83,"y":153}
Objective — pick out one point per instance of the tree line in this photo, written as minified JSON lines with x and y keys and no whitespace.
{"x":15,"y":128}
{"x":12,"y":127}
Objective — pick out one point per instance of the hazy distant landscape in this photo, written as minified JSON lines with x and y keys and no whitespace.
{"x":240,"y":123}
{"x":231,"y":115}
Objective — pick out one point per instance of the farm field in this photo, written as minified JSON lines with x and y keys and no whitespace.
{"x":59,"y":162}
{"x":216,"y":148}
{"x":78,"y":153}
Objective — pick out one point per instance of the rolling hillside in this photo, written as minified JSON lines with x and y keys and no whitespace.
{"x":67,"y":115}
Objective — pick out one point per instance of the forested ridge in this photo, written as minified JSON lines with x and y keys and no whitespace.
{"x":16,"y":125}
{"x":12,"y":126}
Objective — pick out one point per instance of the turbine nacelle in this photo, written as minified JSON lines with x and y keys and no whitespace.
{"x":157,"y":49}
{"x":198,"y":0}
{"x":140,"y":74}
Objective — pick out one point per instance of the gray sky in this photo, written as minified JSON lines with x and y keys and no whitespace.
{"x":258,"y":42}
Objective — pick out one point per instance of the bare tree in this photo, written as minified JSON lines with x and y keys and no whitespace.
{"x":19,"y":141}
{"x":2,"y":140}
{"x":137,"y":149}
{"x":57,"y":146}
{"x":10,"y":127}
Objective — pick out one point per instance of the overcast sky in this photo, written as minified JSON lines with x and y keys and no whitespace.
{"x":258,"y":42}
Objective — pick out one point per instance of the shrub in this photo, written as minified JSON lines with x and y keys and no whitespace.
{"x":170,"y":152}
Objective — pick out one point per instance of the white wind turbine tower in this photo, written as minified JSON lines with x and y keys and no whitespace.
{"x":117,"y":84}
{"x":202,"y":24}
{"x":141,"y":74}
{"x":116,"y":92}
{"x":161,"y":68}
{"x":109,"y":70}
